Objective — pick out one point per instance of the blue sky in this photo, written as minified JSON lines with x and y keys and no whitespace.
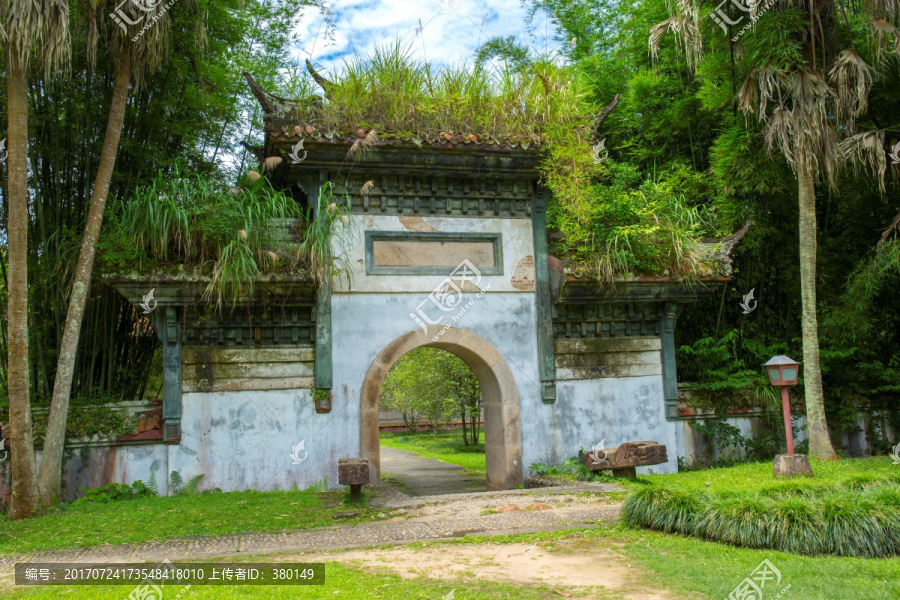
{"x":451,"y":29}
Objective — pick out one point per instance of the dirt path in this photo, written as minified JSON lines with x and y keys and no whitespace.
{"x":571,"y":565}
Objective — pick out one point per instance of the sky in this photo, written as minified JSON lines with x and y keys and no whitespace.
{"x":450,"y":32}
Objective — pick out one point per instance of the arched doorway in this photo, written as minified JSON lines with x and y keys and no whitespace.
{"x":502,"y":435}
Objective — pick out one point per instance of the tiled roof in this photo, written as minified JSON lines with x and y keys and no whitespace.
{"x":282,"y":129}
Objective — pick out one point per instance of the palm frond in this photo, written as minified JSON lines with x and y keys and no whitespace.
{"x":865,"y":151}
{"x":852,"y":78}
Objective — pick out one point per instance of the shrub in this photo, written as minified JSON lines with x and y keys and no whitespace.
{"x":114,"y":492}
{"x":860,"y":516}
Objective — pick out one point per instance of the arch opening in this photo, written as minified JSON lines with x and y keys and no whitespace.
{"x":500,"y":398}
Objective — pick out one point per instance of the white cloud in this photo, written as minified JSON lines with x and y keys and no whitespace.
{"x":451,"y":29}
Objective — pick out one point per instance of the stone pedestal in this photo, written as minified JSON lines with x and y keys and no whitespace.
{"x":355,"y":473}
{"x":628,"y":472}
{"x":789,"y":465}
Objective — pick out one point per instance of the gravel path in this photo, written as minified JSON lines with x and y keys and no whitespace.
{"x":426,"y":518}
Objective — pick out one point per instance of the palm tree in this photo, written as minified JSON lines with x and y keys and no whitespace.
{"x":27,"y":23}
{"x":135,"y":59}
{"x":805,"y":107}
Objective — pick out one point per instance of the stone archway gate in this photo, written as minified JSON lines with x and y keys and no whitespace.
{"x":449,"y":249}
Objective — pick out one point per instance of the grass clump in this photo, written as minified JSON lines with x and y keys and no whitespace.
{"x":393,"y":93}
{"x":186,"y":222}
{"x":189,"y":225}
{"x":820,"y":518}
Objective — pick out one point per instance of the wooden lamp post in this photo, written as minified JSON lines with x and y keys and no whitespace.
{"x":783,"y":372}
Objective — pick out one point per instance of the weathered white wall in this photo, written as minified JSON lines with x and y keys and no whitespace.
{"x":621,"y":409}
{"x":689,"y":443}
{"x":244,"y":440}
{"x":516,"y":235}
{"x":363,"y":324}
{"x":613,"y":410}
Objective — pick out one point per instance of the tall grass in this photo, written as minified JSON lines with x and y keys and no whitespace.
{"x":841,"y":519}
{"x":393,"y":92}
{"x":183,"y":220}
{"x":327,"y":238}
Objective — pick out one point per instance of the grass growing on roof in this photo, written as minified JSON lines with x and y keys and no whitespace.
{"x":614,"y":222}
{"x":391,"y":92}
{"x":329,"y":224}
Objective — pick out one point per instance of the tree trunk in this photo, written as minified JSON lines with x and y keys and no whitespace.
{"x":23,"y":498}
{"x":475,"y":419}
{"x":50,"y":473}
{"x":465,"y":434}
{"x":819,"y":440}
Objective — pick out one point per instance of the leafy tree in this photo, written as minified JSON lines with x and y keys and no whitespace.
{"x":678,"y":113}
{"x":807,"y":87}
{"x":176,"y":114}
{"x":432,"y":385}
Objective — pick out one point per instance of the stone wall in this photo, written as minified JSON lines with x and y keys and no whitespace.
{"x":243,"y":369}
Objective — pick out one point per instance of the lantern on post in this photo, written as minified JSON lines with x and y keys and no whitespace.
{"x":783,"y":372}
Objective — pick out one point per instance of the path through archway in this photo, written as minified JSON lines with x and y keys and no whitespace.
{"x":502,"y":434}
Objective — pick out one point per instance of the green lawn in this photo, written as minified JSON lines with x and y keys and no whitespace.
{"x":690,"y":568}
{"x":447,"y":446}
{"x":146,"y":519}
{"x":686,"y":567}
{"x":755,"y":476}
{"x":713,"y":570}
